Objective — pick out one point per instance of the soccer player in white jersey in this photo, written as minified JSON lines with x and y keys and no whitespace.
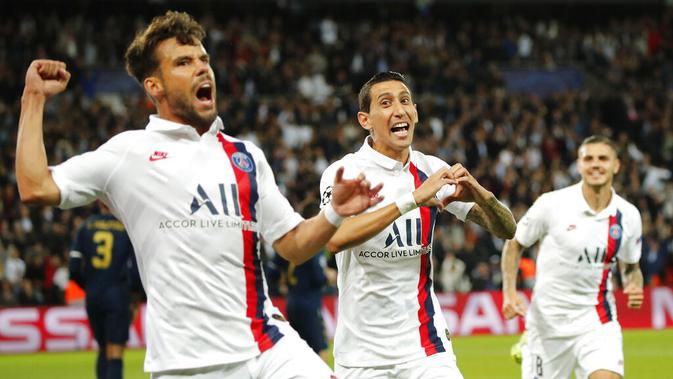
{"x":583,"y":229}
{"x":196,"y":203}
{"x":389,"y":321}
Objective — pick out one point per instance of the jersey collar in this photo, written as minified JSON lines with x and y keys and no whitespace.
{"x":605,"y":213}
{"x":158,"y":124}
{"x":386,"y":162}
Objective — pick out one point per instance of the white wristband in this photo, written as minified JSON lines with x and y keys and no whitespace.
{"x":406,"y":203}
{"x":331,"y":215}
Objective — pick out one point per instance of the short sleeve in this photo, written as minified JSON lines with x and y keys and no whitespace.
{"x":632,"y":246}
{"x":533,"y":226}
{"x":459,"y":209}
{"x":278,"y":216}
{"x":82,"y":178}
{"x":326,"y":182}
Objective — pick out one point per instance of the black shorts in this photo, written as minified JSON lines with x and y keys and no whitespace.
{"x":109,"y":316}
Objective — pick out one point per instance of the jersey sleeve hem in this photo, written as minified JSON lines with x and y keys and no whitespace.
{"x":282,"y":227}
{"x":64,"y":188}
{"x":460,"y":209}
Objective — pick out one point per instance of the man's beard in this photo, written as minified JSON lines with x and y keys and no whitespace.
{"x":185,"y":109}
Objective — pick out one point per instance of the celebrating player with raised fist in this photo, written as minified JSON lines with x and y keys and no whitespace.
{"x":196,"y":203}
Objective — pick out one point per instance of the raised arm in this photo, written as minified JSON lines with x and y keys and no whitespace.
{"x":488,"y":211}
{"x":358,"y":229}
{"x":349,"y":197}
{"x":632,"y":279}
{"x":44,"y":79}
{"x":512,"y":304}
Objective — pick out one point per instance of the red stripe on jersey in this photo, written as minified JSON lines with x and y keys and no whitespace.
{"x":614,"y":239}
{"x":430,"y":341}
{"x":254,"y":294}
{"x":602,"y":291}
{"x":425,"y":211}
{"x":423,"y":315}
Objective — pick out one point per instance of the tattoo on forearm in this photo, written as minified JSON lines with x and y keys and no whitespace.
{"x":476,"y":215}
{"x":497,"y":218}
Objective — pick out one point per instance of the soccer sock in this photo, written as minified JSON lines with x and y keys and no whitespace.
{"x":101,"y":366}
{"x":114,"y":369}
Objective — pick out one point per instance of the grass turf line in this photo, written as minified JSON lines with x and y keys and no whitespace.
{"x":648,"y":354}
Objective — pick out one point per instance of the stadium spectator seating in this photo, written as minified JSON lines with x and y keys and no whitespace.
{"x":509,"y":96}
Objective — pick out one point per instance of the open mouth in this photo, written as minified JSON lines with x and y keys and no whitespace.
{"x":400,"y":129}
{"x":205,"y":92}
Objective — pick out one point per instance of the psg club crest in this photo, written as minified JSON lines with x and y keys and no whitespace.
{"x":242,"y":162}
{"x":616,"y":232}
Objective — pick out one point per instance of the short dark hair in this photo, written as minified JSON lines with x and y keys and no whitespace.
{"x":140,"y":57}
{"x":364,"y":97}
{"x":600,"y":139}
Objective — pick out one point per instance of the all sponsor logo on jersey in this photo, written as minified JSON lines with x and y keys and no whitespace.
{"x":394,"y":254}
{"x":410,"y":236}
{"x":242,"y":162}
{"x":228,"y":197}
{"x":225,"y":202}
{"x":221,"y":223}
{"x":596,"y":255}
{"x":400,"y":242}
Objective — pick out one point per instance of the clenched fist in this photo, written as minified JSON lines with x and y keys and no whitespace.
{"x":46,"y":77}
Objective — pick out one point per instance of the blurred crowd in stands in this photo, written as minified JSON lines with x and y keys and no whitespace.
{"x":289,"y":82}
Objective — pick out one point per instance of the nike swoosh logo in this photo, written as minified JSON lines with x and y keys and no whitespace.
{"x":153,"y":158}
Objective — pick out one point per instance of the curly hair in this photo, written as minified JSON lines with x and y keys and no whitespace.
{"x":140,"y":57}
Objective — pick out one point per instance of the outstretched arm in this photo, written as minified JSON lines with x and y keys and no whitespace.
{"x":632,"y":278}
{"x":512,"y":304}
{"x":358,"y":229}
{"x":44,"y":79}
{"x":349,"y":197}
{"x":488,"y":211}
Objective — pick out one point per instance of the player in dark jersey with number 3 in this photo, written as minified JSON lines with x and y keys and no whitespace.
{"x":102,"y":262}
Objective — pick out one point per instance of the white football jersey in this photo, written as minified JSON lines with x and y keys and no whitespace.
{"x":388,"y":312}
{"x":578,"y":248}
{"x":195,"y":208}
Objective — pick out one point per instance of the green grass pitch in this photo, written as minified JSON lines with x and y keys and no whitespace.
{"x":648,"y":355}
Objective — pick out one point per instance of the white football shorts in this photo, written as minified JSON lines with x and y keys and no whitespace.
{"x":436,"y":366}
{"x":556,"y":358}
{"x":289,"y":358}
